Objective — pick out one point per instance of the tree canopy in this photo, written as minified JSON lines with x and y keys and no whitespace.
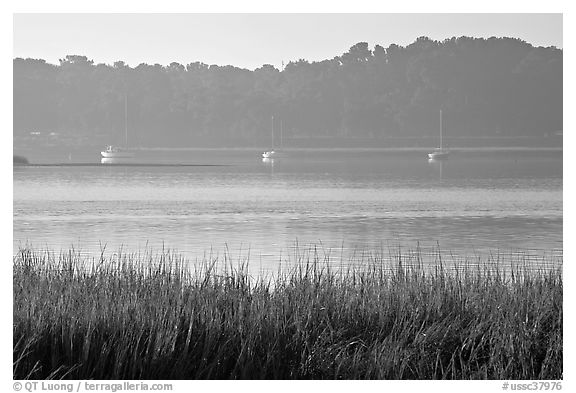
{"x":485,"y":87}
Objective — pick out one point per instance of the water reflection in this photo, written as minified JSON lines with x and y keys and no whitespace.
{"x":269,"y":163}
{"x":439,"y":164}
{"x":117,"y":160}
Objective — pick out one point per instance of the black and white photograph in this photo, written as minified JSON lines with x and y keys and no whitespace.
{"x":286,"y":196}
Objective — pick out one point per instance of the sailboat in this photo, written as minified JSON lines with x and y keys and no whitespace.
{"x":440,"y":153}
{"x":117,"y":151}
{"x":270,"y":153}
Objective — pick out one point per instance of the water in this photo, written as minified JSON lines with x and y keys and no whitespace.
{"x":344,"y":203}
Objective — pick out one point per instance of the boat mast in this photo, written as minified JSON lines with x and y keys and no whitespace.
{"x":272,"y":133}
{"x":126,"y":118}
{"x":280,"y":133}
{"x":441,"y":145}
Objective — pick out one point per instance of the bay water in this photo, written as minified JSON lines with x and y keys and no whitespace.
{"x":341,"y":205}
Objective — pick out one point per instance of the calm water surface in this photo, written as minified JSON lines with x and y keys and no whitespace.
{"x":343,"y":202}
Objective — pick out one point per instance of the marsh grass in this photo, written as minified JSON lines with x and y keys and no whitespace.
{"x":134,"y":316}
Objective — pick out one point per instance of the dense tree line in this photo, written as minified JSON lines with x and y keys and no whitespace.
{"x":485,"y":87}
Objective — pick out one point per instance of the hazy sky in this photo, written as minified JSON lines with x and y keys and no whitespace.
{"x":250,"y":40}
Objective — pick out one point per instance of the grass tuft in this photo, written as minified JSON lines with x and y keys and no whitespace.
{"x":133,"y":316}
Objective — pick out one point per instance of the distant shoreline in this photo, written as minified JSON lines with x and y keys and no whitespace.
{"x":327,"y":149}
{"x":296,"y":149}
{"x":90,"y":157}
{"x":393,"y":149}
{"x":124,"y":164}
